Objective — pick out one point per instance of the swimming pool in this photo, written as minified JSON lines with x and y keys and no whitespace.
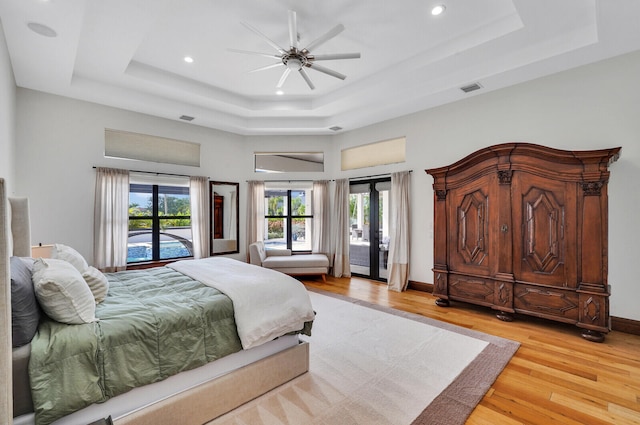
{"x":169,"y":249}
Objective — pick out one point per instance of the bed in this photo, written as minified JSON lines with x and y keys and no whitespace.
{"x":194,"y":380}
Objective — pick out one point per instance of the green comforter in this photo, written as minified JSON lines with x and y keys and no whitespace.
{"x":153,"y":324}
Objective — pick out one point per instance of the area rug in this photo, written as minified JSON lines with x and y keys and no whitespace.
{"x":379,"y":366}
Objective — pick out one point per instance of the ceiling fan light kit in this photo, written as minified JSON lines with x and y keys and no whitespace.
{"x":296,"y":59}
{"x":438,"y":10}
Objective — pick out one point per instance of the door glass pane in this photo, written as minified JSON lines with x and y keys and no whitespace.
{"x":359,"y":241}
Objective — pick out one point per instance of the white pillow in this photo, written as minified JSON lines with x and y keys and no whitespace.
{"x":62,"y":292}
{"x":97,"y":282}
{"x":66,"y":253}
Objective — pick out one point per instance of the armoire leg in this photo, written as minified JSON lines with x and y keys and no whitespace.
{"x":593,"y":336}
{"x":441,"y":302}
{"x":504,"y":316}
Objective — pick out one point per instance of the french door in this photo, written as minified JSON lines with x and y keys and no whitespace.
{"x":369,"y":231}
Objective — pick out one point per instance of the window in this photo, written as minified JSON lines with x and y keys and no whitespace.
{"x":288,"y":219}
{"x":159,"y":222}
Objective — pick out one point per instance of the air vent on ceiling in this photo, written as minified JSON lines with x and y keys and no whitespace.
{"x":471,"y":87}
{"x":335,"y":128}
{"x":186,"y":118}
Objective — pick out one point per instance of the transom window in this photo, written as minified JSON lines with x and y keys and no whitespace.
{"x":159,"y":223}
{"x":288,"y":219}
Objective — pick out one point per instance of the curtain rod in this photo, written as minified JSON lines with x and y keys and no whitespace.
{"x":374,"y":175}
{"x":285,"y":181}
{"x":152,"y":172}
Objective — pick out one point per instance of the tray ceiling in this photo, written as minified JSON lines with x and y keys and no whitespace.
{"x":130,"y":54}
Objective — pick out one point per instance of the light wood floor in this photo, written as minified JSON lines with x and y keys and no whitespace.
{"x":556,"y":377}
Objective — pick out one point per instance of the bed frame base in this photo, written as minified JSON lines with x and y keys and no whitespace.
{"x":210,"y":400}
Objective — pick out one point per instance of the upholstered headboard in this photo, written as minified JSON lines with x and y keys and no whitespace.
{"x":15,"y":239}
{"x":6,"y":377}
{"x":20,"y":228}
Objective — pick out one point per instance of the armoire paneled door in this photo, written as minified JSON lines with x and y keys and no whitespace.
{"x":522,"y":228}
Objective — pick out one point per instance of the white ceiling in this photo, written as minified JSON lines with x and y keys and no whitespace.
{"x":129,"y":54}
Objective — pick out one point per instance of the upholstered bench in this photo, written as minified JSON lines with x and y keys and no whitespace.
{"x":283,"y":261}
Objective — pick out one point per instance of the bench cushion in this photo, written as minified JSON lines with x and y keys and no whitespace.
{"x":296,"y":261}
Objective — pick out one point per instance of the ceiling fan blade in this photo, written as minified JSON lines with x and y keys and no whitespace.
{"x":324,"y":38}
{"x":306,"y":78}
{"x":264,"y":68}
{"x":334,"y":56}
{"x":327,"y":71}
{"x":267,"y":39}
{"x":293,"y":30}
{"x":247,"y":52}
{"x":285,"y":74}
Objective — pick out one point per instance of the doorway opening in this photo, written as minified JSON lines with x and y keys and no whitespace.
{"x":369,"y":227}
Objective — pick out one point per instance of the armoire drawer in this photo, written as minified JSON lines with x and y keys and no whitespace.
{"x":474,"y":289}
{"x":546,"y":302}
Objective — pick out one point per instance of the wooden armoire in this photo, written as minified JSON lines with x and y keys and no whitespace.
{"x":522,"y":228}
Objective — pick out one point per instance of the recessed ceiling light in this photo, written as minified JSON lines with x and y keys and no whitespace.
{"x":42,"y":29}
{"x":437,"y":10}
{"x":188,"y":59}
{"x":279,"y":92}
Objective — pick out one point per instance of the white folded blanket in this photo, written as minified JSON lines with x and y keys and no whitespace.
{"x":267,"y":304}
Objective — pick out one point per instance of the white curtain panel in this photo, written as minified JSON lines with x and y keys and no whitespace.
{"x":321,"y":217}
{"x":111,"y":219}
{"x":199,"y":195}
{"x":255,"y":213}
{"x":340,"y":220}
{"x":399,"y":231}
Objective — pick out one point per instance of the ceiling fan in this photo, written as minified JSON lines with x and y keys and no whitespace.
{"x":296,"y":59}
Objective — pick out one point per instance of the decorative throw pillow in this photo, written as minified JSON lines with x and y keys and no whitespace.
{"x":97,"y":282}
{"x":62,"y":292}
{"x":25,"y":312}
{"x":66,"y":253}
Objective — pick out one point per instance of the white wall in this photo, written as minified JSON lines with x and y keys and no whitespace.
{"x":7,"y":115}
{"x":61,"y":139}
{"x":595,"y":106}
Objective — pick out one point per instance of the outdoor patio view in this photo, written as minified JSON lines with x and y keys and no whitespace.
{"x":159,"y":230}
{"x":288,"y":219}
{"x":362,"y":238}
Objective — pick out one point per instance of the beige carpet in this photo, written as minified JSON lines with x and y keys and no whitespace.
{"x":374,"y":365}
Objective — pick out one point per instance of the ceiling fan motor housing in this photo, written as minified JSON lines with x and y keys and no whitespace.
{"x":295,"y":60}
